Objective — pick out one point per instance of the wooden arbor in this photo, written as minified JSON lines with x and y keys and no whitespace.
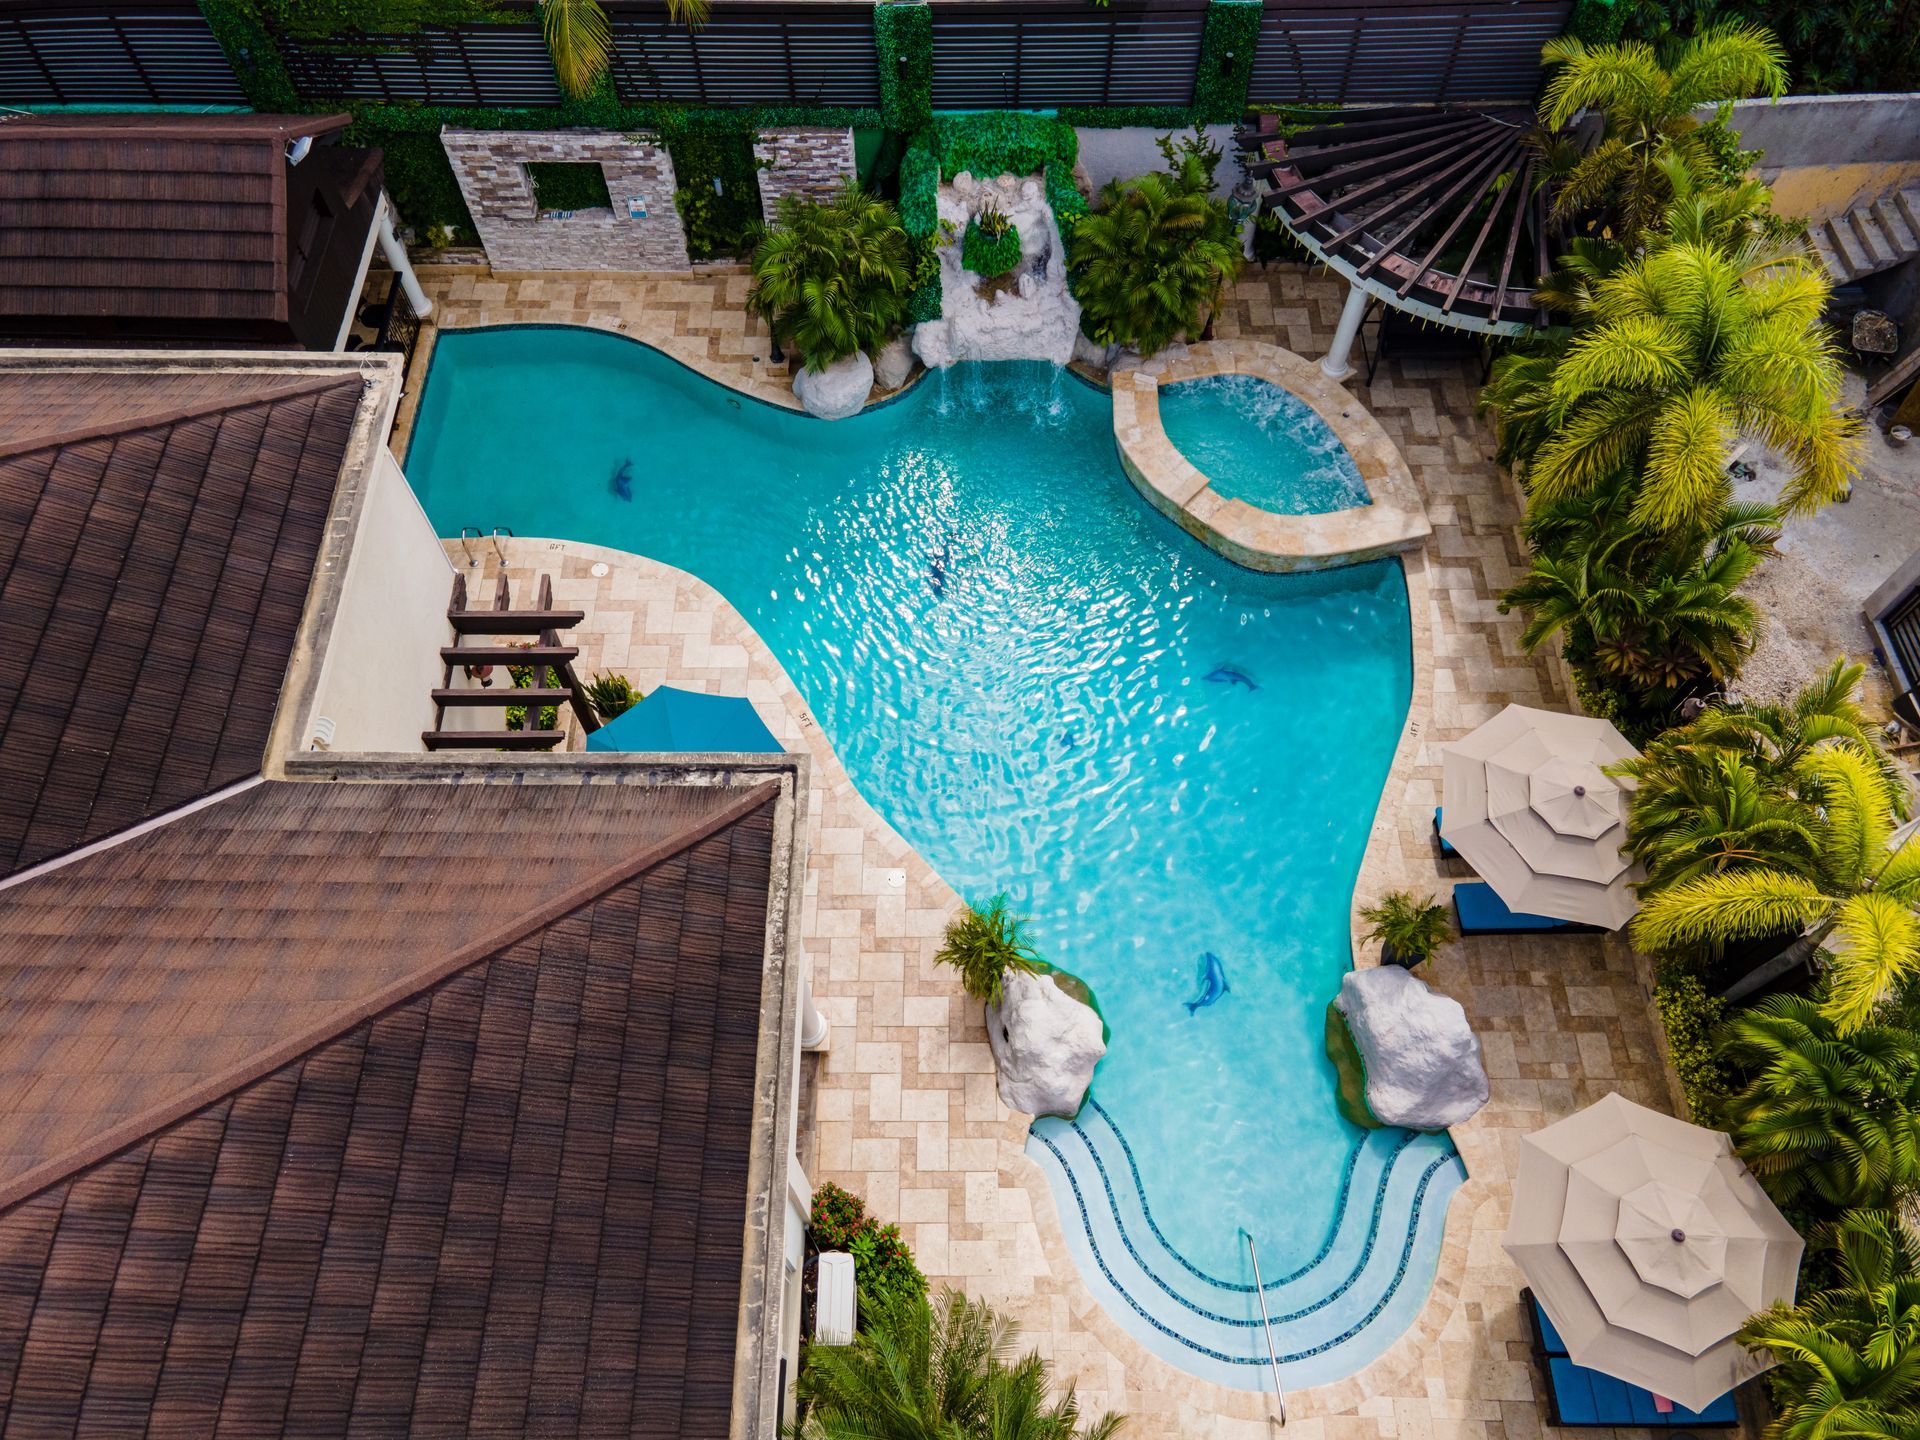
{"x":477,"y":644}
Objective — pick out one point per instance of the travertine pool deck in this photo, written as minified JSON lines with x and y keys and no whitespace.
{"x":1392,"y":524}
{"x":904,"y":1102}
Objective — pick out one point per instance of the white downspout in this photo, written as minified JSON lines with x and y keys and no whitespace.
{"x":396,"y":254}
{"x":1335,"y":366}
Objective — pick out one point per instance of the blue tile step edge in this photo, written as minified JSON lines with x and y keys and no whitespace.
{"x":1357,"y":1238}
{"x":1359,"y":1316}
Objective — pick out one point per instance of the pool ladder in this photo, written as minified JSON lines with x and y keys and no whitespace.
{"x":473,"y":532}
{"x":1266,"y":1325}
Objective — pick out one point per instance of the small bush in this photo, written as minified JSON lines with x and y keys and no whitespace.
{"x":612,"y":695}
{"x":884,"y":1271}
{"x":834,"y":277}
{"x":1691,"y":1015}
{"x":983,"y":945}
{"x":1411,"y":926}
{"x":992,"y":244}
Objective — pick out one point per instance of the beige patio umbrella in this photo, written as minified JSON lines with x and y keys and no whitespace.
{"x":1648,"y":1244}
{"x":1527,"y":804}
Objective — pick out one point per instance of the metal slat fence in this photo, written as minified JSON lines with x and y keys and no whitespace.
{"x":1404,"y":50}
{"x":112,"y":54}
{"x":1050,"y":54}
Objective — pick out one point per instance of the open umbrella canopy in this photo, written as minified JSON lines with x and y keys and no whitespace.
{"x":1649,"y":1244}
{"x":686,"y":721}
{"x":1529,"y":806}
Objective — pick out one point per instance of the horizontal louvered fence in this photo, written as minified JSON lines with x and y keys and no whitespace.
{"x":986,"y":54}
{"x":159,"y":53}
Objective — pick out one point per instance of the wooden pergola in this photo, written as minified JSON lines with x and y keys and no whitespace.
{"x":1434,"y":211}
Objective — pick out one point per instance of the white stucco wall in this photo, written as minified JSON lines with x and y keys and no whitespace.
{"x":383,"y":651}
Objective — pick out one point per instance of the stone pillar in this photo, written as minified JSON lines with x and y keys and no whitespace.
{"x":396,"y":254}
{"x":1335,"y":364}
{"x":813,"y":163}
{"x":642,"y":230}
{"x":814,"y":1030}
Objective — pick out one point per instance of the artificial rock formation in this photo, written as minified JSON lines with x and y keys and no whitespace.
{"x":1422,"y":1059}
{"x":839,"y":390}
{"x":894,"y":363}
{"x":1035,"y":319}
{"x":1045,"y":1044}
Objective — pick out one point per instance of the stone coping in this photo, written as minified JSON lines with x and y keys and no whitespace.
{"x":1395,"y":522}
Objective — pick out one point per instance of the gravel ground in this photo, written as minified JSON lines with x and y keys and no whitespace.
{"x":1813,"y":591}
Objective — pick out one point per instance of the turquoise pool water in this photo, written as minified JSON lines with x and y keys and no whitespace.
{"x":1045,"y":688}
{"x":1262,"y":444}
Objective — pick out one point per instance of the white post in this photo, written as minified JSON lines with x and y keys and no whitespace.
{"x":814,"y":1031}
{"x":1335,"y":366}
{"x":396,"y":254}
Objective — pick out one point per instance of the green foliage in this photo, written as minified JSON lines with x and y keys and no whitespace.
{"x":1865,"y":45}
{"x":1120,"y":117}
{"x":249,"y":47}
{"x":1827,"y":1115}
{"x":612,"y":695}
{"x":884,"y":1271}
{"x":1410,"y":926}
{"x":833,"y":278}
{"x":1596,"y":22}
{"x":720,"y":223}
{"x":903,"y":43}
{"x":920,"y":218}
{"x":1155,"y":256}
{"x":991,"y":246}
{"x":420,"y":180}
{"x":922,"y":1370}
{"x":1063,"y":195}
{"x":548,"y":716}
{"x":568,"y":185}
{"x":331,"y":19}
{"x":984,"y":945}
{"x":1849,"y":1355}
{"x":1001,"y":142}
{"x":1691,"y":1016}
{"x":1227,"y":42}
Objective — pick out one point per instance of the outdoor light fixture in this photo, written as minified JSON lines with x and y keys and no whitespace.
{"x":297,"y":149}
{"x":1226,"y":63}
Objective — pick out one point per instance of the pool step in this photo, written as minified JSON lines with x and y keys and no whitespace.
{"x":1332,"y":1313}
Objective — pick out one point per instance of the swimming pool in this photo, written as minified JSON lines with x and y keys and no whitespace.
{"x":1259,"y":442}
{"x":1048,"y":690}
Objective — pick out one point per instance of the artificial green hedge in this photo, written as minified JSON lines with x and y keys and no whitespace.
{"x":920,"y":218}
{"x":990,"y":255}
{"x":903,"y":43}
{"x":1227,"y":42}
{"x":249,"y":48}
{"x":1001,"y":142}
{"x":1598,"y":22}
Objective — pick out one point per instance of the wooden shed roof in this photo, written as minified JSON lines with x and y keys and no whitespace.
{"x":177,"y":217}
{"x":157,"y":538}
{"x":502,"y":1189}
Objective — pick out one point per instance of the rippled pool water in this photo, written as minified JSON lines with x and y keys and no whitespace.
{"x":1261,"y":443}
{"x":1046,"y":689}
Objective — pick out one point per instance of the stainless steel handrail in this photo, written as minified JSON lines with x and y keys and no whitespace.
{"x":1266,"y":1325}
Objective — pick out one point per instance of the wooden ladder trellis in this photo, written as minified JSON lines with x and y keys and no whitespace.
{"x":477,"y":643}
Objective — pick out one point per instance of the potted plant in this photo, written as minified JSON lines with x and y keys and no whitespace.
{"x":1409,"y":927}
{"x":983,"y":945}
{"x":612,"y":695}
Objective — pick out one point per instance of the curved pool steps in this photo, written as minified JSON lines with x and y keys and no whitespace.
{"x":1331,"y":1313}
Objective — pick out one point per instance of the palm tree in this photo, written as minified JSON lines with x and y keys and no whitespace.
{"x":1676,"y":352}
{"x":1828,"y":1115}
{"x":1647,"y":115}
{"x":1849,"y":1357}
{"x":833,"y":277}
{"x":580,"y":39}
{"x":1151,"y":259}
{"x":936,"y":1371}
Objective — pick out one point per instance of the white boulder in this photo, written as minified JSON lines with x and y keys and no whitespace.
{"x":1045,"y":1044}
{"x":839,"y":390}
{"x":1422,"y":1058}
{"x":894,"y":363}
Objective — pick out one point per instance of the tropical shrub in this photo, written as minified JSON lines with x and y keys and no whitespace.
{"x":834,"y":277}
{"x":1647,"y":113}
{"x":1691,"y":1016}
{"x":984,"y":945}
{"x":938,"y":1369}
{"x":1153,"y":258}
{"x":992,"y":244}
{"x":1410,"y":927}
{"x":612,"y":695}
{"x":884,"y":1272}
{"x":1828,"y":1114}
{"x":1849,"y":1355}
{"x":1870,"y":45}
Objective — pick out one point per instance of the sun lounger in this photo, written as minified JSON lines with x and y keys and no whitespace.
{"x":1481,"y":911}
{"x":1577,"y":1396}
{"x":1446,"y":846}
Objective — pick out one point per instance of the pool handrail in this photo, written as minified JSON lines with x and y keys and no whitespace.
{"x":1266,"y":1325}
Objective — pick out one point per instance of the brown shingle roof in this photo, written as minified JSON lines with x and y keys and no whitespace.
{"x":512,"y":1202}
{"x":182,"y":217}
{"x":157,"y":538}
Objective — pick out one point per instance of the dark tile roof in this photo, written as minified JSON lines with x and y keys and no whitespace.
{"x":157,"y":539}
{"x":510,"y":1198}
{"x":181,"y":217}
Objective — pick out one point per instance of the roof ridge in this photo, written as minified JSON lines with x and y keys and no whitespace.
{"x":292,"y":389}
{"x":157,"y":1118}
{"x":159,"y":125}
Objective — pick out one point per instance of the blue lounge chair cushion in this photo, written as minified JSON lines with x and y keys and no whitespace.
{"x":1482,"y":912}
{"x":1586,"y":1397}
{"x":1446,"y":845}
